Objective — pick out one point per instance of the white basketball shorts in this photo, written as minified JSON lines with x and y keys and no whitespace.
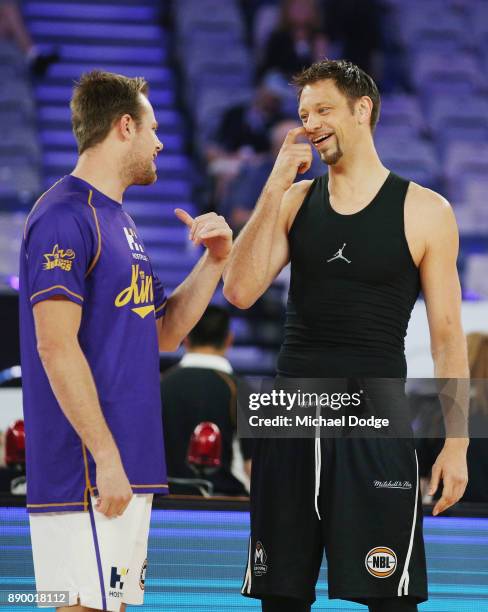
{"x":101,"y":561}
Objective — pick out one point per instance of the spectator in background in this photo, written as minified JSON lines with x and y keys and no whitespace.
{"x":243,"y":191}
{"x":298,"y":40}
{"x":356,"y":26}
{"x":12,"y":26}
{"x":202,"y":387}
{"x":247,"y":124}
{"x":243,"y":133}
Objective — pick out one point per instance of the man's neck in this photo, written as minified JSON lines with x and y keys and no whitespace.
{"x":356,"y":174}
{"x":207,"y":350}
{"x":102,"y":173}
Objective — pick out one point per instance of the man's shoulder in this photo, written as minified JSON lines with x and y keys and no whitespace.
{"x":426,"y":199}
{"x":61,"y":201}
{"x":205,"y":384}
{"x":430,"y":206}
{"x":61,"y":210}
{"x":293,"y":200}
{"x":300,"y":188}
{"x":432,"y":217}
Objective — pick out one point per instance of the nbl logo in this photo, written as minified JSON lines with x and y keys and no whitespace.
{"x":381,"y":562}
{"x":260,"y":557}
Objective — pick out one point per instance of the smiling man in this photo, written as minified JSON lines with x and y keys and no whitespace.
{"x":93,"y":314}
{"x":361,"y":241}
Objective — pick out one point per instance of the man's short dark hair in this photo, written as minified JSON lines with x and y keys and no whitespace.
{"x":101,"y":98}
{"x":212,"y":329}
{"x":350,"y":80}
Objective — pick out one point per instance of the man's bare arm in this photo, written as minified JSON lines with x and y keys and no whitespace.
{"x":261,"y":250}
{"x":442,"y":292}
{"x":57,"y":322}
{"x":188,"y":302}
{"x":190,"y":299}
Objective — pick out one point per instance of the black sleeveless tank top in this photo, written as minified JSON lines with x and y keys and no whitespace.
{"x":353,"y":286}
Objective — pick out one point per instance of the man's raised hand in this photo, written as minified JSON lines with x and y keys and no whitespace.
{"x":294,"y":158}
{"x":209,"y":229}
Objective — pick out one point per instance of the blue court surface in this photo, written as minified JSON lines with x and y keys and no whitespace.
{"x":197,"y":559}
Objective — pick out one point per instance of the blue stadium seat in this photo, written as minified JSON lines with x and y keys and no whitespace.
{"x":459,"y":76}
{"x":412,"y":158}
{"x":97,"y":11}
{"x":401,"y":111}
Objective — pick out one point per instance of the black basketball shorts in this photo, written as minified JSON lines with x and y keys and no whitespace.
{"x":366,"y":492}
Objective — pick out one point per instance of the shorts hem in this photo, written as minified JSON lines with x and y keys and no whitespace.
{"x":281,"y":593}
{"x":361,"y":596}
{"x":131,"y":602}
{"x":96,"y":604}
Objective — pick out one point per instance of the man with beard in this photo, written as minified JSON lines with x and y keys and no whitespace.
{"x":361,"y":242}
{"x":93,"y":314}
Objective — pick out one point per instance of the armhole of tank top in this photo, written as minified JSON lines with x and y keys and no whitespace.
{"x":305,"y":200}
{"x":406,"y":186}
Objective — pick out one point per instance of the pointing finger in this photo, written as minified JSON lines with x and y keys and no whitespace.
{"x":294,"y":133}
{"x":184,"y":216}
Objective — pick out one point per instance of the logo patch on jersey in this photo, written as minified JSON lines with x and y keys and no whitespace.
{"x":339,"y":255}
{"x":132,"y":239}
{"x":117,"y":577}
{"x":134,"y":244}
{"x":59,"y":258}
{"x":140,"y":291}
{"x":260,"y":557}
{"x":142,"y":577}
{"x":381,"y":562}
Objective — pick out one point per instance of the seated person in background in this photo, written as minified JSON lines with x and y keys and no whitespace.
{"x":201,"y":387}
{"x":243,"y":134}
{"x":356,"y":26}
{"x":298,"y":41}
{"x":12,"y":26}
{"x":243,"y":191}
{"x":247,"y":124}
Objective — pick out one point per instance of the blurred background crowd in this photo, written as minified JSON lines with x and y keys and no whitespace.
{"x":219,"y":73}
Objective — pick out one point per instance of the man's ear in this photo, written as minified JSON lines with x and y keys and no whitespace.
{"x":125,"y":126}
{"x":364,"y":109}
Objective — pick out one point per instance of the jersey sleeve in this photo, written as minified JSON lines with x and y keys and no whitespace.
{"x":160,"y":298}
{"x":59,"y":248}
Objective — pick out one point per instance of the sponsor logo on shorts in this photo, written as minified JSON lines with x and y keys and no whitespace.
{"x":392,"y":484}
{"x":117,"y":577}
{"x":381,"y":562}
{"x":260,"y":557}
{"x":142,"y":576}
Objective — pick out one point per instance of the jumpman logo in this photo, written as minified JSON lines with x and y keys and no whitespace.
{"x":339,"y":255}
